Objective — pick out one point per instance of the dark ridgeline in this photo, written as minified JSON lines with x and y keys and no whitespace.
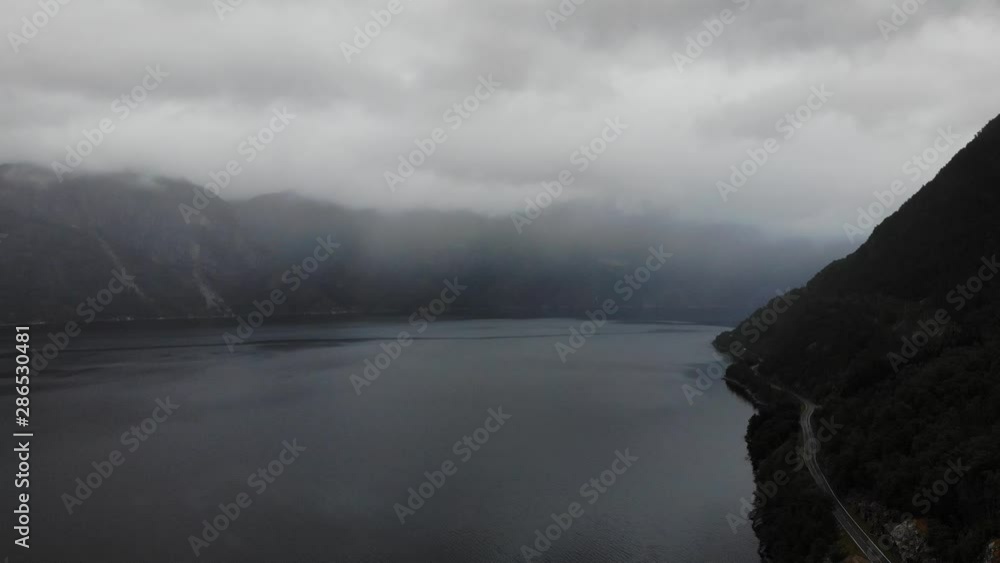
{"x":64,"y":239}
{"x":912,"y":410}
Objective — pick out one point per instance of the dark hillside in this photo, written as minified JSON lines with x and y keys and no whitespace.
{"x":900,"y":342}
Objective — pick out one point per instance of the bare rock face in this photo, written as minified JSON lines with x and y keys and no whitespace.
{"x":992,"y":554}
{"x":910,"y":543}
{"x":900,"y":530}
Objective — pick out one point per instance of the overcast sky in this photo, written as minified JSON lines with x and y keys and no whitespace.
{"x":560,"y":78}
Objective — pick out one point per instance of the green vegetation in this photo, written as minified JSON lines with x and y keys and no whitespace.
{"x":910,"y":411}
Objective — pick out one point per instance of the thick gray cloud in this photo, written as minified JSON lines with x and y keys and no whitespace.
{"x":686,"y":126}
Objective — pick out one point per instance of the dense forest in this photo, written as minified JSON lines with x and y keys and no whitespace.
{"x":900,"y":342}
{"x":786,"y":497}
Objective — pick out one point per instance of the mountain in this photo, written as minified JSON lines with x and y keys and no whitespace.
{"x":196,"y":256}
{"x":900,"y":343}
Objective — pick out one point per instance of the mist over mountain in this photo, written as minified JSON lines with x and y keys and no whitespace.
{"x":215,"y":258}
{"x":685,"y":281}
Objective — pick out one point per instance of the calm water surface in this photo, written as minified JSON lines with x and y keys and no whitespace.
{"x":335,"y":502}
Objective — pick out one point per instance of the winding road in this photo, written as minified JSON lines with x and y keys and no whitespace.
{"x":857,"y":533}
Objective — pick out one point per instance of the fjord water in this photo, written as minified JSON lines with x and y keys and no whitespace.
{"x":621,"y":392}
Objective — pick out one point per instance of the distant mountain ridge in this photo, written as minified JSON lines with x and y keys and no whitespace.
{"x":213,"y":258}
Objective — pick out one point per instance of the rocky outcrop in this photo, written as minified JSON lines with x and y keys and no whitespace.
{"x":900,"y":532}
{"x":992,"y":554}
{"x":910,"y":542}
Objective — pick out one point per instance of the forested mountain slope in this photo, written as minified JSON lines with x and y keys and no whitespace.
{"x":900,"y":343}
